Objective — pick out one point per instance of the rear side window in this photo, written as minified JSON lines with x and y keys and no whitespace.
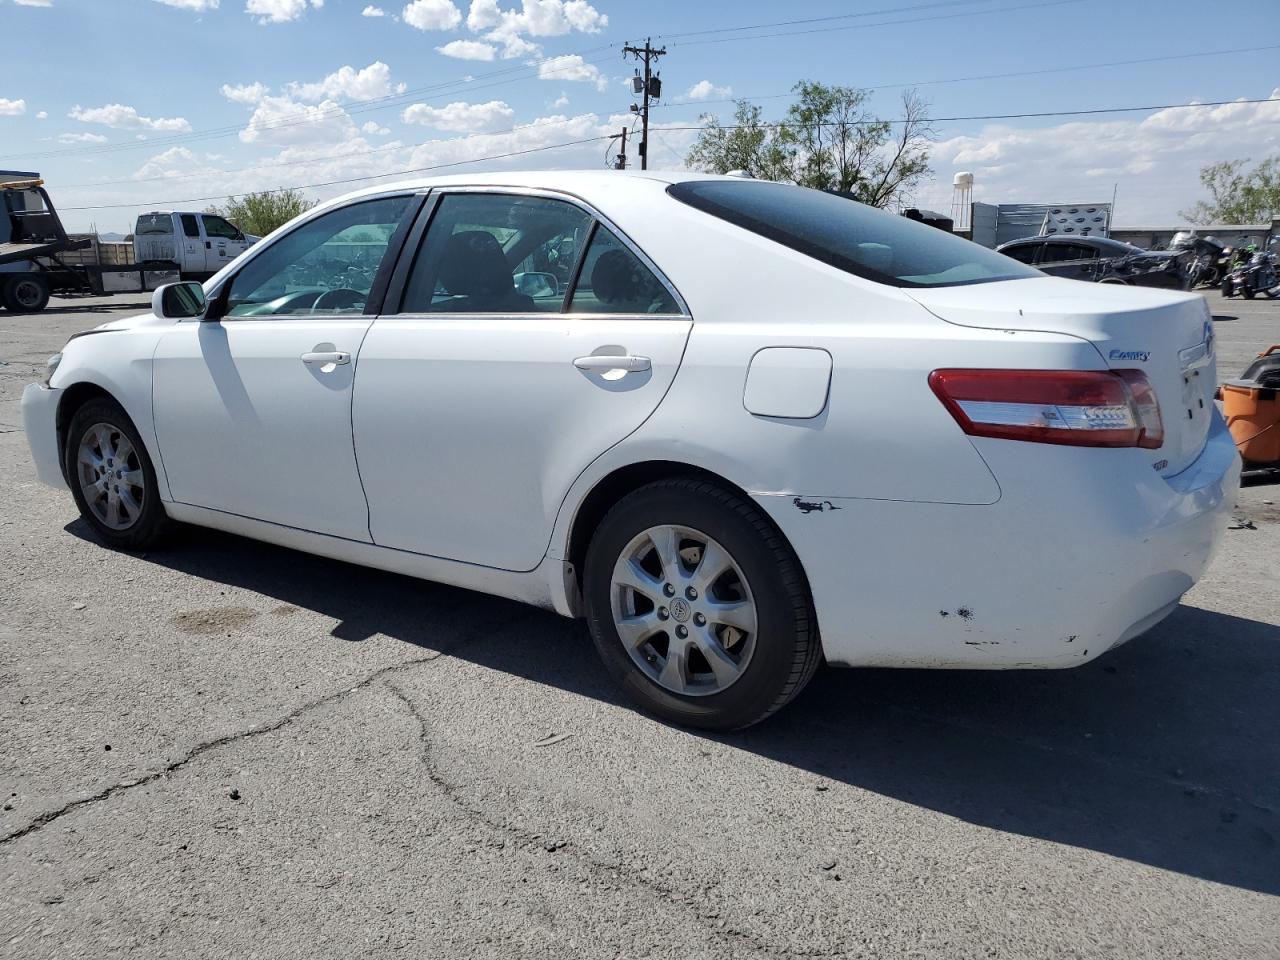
{"x":613,"y":280}
{"x":849,"y":235}
{"x":189,"y":225}
{"x":154,"y":224}
{"x":1026,"y":253}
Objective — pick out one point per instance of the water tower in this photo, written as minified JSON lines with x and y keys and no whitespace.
{"x":962,"y":199}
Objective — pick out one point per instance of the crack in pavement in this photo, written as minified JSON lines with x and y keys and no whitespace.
{"x":530,"y":839}
{"x":44,"y":819}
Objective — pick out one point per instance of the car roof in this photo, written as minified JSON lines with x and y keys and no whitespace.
{"x":593,"y":186}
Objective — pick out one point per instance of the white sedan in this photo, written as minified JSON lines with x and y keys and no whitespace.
{"x":738,"y":426}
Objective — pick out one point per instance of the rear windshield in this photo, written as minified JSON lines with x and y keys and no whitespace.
{"x":153,"y":223}
{"x":849,"y":235}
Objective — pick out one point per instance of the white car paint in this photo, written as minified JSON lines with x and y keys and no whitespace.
{"x":469,"y":445}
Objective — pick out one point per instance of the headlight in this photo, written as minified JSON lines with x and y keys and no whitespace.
{"x":50,"y":367}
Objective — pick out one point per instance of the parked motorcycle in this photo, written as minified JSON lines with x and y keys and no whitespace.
{"x":1208,"y":259}
{"x":1253,"y":272}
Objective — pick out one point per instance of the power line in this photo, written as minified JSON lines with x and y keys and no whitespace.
{"x":378,"y":103}
{"x":1005,"y":116}
{"x":267,"y":166}
{"x":346,"y":180}
{"x":1001,"y":76}
{"x":880,"y":23}
{"x":334,"y":113}
{"x":808,"y":20}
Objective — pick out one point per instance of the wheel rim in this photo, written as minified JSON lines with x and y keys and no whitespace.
{"x":26,"y":293}
{"x":111,"y":476}
{"x":683,"y":610}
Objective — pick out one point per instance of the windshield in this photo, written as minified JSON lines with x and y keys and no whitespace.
{"x":849,"y":235}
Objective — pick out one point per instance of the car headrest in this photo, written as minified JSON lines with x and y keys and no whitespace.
{"x":876,"y":256}
{"x":474,"y":265}
{"x":616,"y":279}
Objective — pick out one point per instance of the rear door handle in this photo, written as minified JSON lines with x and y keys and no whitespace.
{"x":338,"y":357}
{"x":606,"y":362}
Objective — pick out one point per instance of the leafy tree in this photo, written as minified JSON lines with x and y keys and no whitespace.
{"x":828,"y":141}
{"x":260,"y":213}
{"x":1239,"y":195}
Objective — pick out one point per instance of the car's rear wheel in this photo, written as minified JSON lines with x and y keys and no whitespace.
{"x":26,"y":294}
{"x":112,"y":478}
{"x":698,"y":606}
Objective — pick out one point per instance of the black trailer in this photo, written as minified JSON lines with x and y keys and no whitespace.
{"x":38,"y":258}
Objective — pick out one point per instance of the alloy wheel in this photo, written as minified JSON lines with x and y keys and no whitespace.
{"x":683,"y":610}
{"x":110,"y":476}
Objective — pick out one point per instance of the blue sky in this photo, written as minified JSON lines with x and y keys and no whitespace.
{"x":128,"y":104}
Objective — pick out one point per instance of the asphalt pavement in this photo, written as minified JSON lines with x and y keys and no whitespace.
{"x":226,"y":749}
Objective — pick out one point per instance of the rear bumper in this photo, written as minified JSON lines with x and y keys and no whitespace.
{"x":40,"y":421}
{"x":1084,"y":550}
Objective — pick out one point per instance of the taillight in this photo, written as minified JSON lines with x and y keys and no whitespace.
{"x":1084,"y":408}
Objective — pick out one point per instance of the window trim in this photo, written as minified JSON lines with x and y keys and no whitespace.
{"x":377,"y":292}
{"x":413,"y":245}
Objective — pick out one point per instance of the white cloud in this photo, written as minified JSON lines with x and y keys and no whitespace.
{"x":199,"y":6}
{"x":468,"y":50}
{"x":34,"y":3}
{"x":462,"y":117}
{"x":367,"y":84}
{"x":372,"y":11}
{"x":245,"y":92}
{"x":283,"y":121}
{"x":81,"y":138}
{"x":534,"y":18}
{"x":42,"y":115}
{"x":279,"y":11}
{"x":571,"y":67}
{"x":561,"y":101}
{"x":483,"y":15}
{"x":119,"y":116}
{"x":1155,"y":161}
{"x":12,"y":108}
{"x":372,"y":128}
{"x":705,"y":89}
{"x":432,"y":14}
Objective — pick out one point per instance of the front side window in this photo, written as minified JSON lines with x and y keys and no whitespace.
{"x":218,"y":227}
{"x":326,"y":266}
{"x":494,"y":253}
{"x":850,"y":236}
{"x":614,"y":280}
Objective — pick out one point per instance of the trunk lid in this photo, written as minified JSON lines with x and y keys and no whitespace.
{"x":1167,"y":335}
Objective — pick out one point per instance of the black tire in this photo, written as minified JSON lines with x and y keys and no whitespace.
{"x":1249,"y":292}
{"x":26,"y":294}
{"x":150,"y":525}
{"x":787,"y":648}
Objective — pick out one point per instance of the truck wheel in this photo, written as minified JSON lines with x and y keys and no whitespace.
{"x":26,"y":294}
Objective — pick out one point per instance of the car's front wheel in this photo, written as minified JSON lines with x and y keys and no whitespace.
{"x":26,"y":294}
{"x":698,"y":606}
{"x":112,"y":478}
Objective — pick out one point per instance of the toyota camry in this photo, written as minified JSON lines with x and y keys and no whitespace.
{"x":739,"y":427}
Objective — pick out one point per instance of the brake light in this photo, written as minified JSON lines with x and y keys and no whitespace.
{"x":1084,"y":408}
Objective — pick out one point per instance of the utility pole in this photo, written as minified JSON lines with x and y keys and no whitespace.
{"x":649,"y":87}
{"x":620,"y":162}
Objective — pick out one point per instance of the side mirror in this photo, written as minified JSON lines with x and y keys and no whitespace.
{"x":178,"y":301}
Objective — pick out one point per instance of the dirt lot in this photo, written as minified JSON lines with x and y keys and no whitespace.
{"x":227,"y":749}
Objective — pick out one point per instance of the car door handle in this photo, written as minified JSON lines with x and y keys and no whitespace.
{"x":325,"y":358}
{"x":607,"y":362}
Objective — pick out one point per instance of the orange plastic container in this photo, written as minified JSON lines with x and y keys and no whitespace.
{"x":1253,"y":417}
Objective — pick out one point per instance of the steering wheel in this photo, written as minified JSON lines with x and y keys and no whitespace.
{"x":338,"y":298}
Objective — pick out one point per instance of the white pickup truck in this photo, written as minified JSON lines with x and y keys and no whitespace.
{"x":200,"y":244}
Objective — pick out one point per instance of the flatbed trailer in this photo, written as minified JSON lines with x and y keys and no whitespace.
{"x":39,"y":258}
